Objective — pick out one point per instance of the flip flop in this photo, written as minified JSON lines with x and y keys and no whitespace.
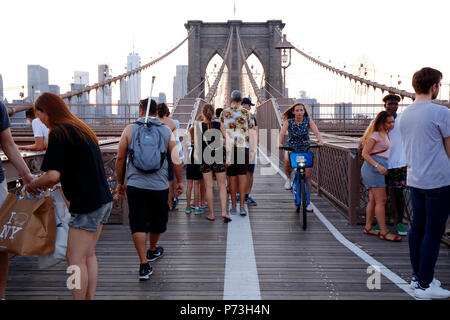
{"x":208,"y":218}
{"x":226,"y":219}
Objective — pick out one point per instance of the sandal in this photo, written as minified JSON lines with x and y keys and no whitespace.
{"x":372,"y":232}
{"x":394,"y":239}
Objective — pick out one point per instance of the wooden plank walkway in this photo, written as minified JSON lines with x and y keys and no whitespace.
{"x":291,"y":263}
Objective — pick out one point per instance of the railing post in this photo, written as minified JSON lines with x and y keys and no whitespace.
{"x":319,"y":173}
{"x":354,"y":174}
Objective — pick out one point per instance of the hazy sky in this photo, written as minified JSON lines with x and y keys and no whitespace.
{"x":397,"y":36}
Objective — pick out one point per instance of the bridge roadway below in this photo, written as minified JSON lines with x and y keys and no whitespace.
{"x":265,"y":255}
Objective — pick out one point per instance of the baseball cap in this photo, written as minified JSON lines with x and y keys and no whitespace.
{"x":236,"y":95}
{"x":247,"y":101}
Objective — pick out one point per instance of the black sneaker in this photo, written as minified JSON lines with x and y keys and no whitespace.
{"x":145,"y":271}
{"x":154,"y":255}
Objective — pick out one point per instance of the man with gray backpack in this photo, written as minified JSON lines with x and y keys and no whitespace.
{"x":147,"y":143}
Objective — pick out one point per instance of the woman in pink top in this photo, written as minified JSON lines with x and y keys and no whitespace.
{"x":376,"y":147}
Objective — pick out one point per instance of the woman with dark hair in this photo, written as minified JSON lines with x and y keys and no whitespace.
{"x":73,"y":158}
{"x":206,"y":134}
{"x":162,"y":110}
{"x":376,"y":149}
{"x":297,"y":123}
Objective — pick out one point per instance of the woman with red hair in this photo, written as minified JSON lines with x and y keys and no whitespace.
{"x":73,"y":158}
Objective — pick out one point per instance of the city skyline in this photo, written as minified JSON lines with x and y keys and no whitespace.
{"x":325,"y":29}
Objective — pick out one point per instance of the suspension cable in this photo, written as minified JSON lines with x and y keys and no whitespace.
{"x":382,"y":87}
{"x":215,"y":84}
{"x":79,"y":92}
{"x":249,"y":73}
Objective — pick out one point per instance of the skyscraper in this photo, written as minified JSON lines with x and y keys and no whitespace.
{"x":103,"y":98}
{"x":130,"y":89}
{"x":343,"y":110}
{"x":81,"y":77}
{"x":80,"y":105}
{"x":37,"y":81}
{"x":180,"y":83}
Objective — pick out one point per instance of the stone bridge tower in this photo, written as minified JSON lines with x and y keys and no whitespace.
{"x":259,"y":38}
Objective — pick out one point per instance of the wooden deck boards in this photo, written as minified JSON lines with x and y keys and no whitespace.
{"x":291,"y":263}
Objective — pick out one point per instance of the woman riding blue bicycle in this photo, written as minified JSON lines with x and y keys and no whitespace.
{"x":297,"y":123}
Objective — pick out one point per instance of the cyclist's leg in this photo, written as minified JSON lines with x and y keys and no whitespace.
{"x":287,"y":165}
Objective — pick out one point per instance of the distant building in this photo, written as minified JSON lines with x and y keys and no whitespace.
{"x":130,"y":89}
{"x":162,"y":98}
{"x":53,"y":88}
{"x":343,"y":110}
{"x":103,"y":108}
{"x":180,"y":83}
{"x":37,"y":81}
{"x":81,"y":77}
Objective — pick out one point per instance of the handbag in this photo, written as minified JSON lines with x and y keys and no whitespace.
{"x":27,"y":225}
{"x":62,"y":219}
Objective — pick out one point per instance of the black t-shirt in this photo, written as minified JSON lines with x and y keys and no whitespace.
{"x":4,"y":124}
{"x":82,"y":171}
{"x":205,"y":142}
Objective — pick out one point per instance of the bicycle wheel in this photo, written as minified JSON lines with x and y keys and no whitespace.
{"x":304,"y":200}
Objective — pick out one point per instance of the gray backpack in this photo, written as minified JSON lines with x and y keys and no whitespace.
{"x":147,"y":151}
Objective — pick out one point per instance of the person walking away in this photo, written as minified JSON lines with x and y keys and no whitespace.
{"x":73,"y":157}
{"x":297,"y":124}
{"x":247,"y":104}
{"x":193,"y":178}
{"x":237,"y":123}
{"x":10,"y":149}
{"x":376,"y":149}
{"x":425,"y":132}
{"x":147,"y":193}
{"x":180,"y":153}
{"x":163,"y":112}
{"x":211,"y":159}
{"x":40,"y":132}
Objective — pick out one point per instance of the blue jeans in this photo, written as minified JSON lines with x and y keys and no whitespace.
{"x":431,"y":209}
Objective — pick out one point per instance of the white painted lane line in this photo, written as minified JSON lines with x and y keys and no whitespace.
{"x":241,"y":274}
{"x":398,"y":281}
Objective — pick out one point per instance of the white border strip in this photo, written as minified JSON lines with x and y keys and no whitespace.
{"x":241,"y":273}
{"x":398,"y":281}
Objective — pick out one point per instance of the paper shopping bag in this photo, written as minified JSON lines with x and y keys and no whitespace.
{"x":27,"y":226}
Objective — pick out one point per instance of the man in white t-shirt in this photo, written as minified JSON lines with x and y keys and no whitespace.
{"x":396,"y":177}
{"x":40,"y":132}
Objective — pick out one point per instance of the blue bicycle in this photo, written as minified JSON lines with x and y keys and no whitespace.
{"x":300,"y":187}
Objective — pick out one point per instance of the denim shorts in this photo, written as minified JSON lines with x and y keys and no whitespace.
{"x":370,"y":175}
{"x":91,"y":221}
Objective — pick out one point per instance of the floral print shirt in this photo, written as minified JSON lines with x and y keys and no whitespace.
{"x":237,"y":121}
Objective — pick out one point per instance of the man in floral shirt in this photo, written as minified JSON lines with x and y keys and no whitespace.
{"x":237,"y":121}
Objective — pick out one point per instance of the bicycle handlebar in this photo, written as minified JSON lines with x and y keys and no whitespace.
{"x":293,"y":150}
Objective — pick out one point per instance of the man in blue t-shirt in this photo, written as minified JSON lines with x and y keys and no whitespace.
{"x":11,"y":151}
{"x":425,"y":132}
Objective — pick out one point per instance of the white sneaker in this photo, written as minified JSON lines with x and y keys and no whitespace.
{"x":432,"y":292}
{"x":287,"y":185}
{"x":309,"y":208}
{"x":435,"y":283}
